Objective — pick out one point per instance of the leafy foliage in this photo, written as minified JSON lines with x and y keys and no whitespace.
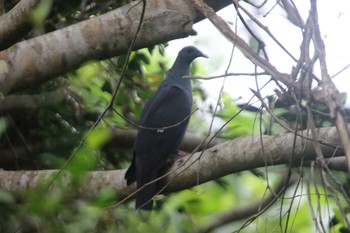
{"x":239,"y":121}
{"x":49,"y":136}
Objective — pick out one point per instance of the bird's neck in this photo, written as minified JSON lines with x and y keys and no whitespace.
{"x":176,"y":73}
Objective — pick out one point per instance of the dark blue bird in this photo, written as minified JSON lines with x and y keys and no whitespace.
{"x":164,"y":121}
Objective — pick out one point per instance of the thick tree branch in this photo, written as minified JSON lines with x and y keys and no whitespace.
{"x":338,"y":164}
{"x":42,"y":58}
{"x":31,"y":102}
{"x":125,"y":138}
{"x":14,"y":24}
{"x":191,"y":170}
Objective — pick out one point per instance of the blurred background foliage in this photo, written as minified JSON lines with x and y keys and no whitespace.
{"x":44,"y":138}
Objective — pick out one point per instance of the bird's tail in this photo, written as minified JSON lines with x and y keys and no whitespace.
{"x":146,"y":191}
{"x":130,"y":174}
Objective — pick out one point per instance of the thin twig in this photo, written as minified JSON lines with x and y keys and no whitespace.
{"x":225,"y":29}
{"x":266,"y":29}
{"x":340,"y":71}
{"x":195,"y":77}
{"x":254,"y":209}
{"x":109,"y":106}
{"x":330,"y":94}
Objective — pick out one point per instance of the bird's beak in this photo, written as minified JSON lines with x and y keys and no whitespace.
{"x":204,"y":55}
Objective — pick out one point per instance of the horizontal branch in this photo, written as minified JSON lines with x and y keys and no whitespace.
{"x":121,"y":138}
{"x":125,"y":138}
{"x":194,"y":77}
{"x":25,"y":102}
{"x":233,"y":156}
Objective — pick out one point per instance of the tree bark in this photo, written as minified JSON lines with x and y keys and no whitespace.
{"x":14,"y":24}
{"x":233,"y":156}
{"x":42,"y":58}
{"x":32,"y":102}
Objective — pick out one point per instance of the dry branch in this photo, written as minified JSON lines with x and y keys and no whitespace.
{"x":329,"y":93}
{"x":229,"y":157}
{"x":224,"y":28}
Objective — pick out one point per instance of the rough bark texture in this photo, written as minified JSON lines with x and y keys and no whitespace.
{"x":52,"y":54}
{"x":42,"y":58}
{"x":188,"y":171}
{"x":15,"y":23}
{"x":31,"y":102}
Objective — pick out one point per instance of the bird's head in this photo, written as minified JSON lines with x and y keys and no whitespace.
{"x":190,"y":53}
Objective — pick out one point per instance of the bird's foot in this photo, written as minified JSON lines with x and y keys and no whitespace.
{"x":182,"y":153}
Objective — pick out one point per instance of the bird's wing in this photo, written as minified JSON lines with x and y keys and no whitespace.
{"x":167,"y":114}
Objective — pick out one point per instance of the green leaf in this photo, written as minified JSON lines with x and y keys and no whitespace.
{"x":40,"y":12}
{"x":3,"y":125}
{"x":97,"y":138}
{"x":6,"y":198}
{"x":238,"y":122}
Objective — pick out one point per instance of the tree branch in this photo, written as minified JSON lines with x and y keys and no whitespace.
{"x":125,"y":138}
{"x":14,"y":24}
{"x":255,"y":208}
{"x":329,"y":93}
{"x":338,"y":164}
{"x":25,"y":102}
{"x":224,"y":28}
{"x":44,"y":57}
{"x":191,"y":170}
{"x":121,"y":138}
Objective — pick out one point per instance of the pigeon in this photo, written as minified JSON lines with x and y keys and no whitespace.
{"x":163,"y":123}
